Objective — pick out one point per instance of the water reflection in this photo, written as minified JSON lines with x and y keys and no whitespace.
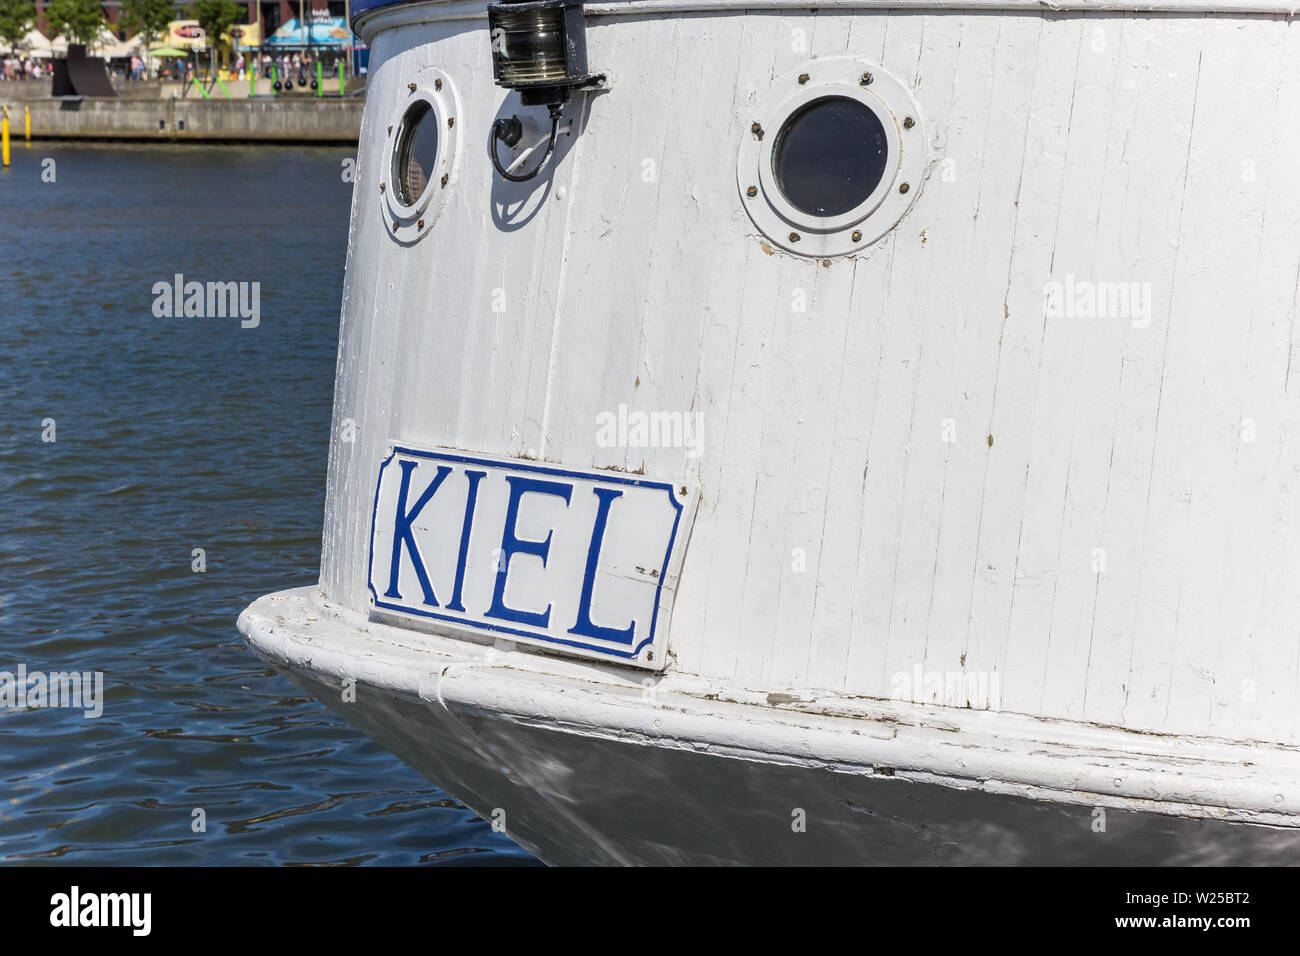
{"x":176,"y":434}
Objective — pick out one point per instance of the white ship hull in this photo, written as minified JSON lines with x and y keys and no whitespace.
{"x":581,"y":766}
{"x":989,"y":549}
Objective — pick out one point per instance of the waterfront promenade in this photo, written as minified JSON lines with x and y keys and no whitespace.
{"x":174,"y":111}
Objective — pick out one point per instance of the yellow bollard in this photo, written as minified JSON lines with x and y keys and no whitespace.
{"x":27,"y":124}
{"x":4,"y":137}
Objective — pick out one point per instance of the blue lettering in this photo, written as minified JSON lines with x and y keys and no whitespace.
{"x":402,"y":532}
{"x":474,"y":478}
{"x":512,"y":545}
{"x":584,"y":626}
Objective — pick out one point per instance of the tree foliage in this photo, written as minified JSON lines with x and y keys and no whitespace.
{"x":16,"y":20}
{"x":79,"y":20}
{"x":216,"y":17}
{"x":147,"y":17}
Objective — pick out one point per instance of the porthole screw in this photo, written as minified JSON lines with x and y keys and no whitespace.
{"x":451,"y":121}
{"x":908,"y":123}
{"x":803,"y":78}
{"x":420,"y":224}
{"x":794,"y":237}
{"x":751,"y":192}
{"x":904,"y":188}
{"x":757,"y":130}
{"x":390,"y":130}
{"x":866,"y":80}
{"x":444,"y":179}
{"x":437,"y":84}
{"x":382,"y":187}
{"x":395,"y":226}
{"x":411,"y":87}
{"x":857,"y":236}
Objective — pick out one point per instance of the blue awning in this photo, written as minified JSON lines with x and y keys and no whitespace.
{"x":333,"y":32}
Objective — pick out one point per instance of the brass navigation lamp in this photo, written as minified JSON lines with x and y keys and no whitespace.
{"x":539,"y":48}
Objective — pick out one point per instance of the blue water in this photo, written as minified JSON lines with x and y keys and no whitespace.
{"x":171,"y":435}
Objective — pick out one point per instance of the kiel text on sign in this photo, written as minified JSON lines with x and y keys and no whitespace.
{"x":585,"y":562}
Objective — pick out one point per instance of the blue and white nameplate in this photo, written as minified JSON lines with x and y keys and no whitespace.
{"x":583,"y":562}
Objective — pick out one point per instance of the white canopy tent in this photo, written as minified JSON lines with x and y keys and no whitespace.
{"x":106,"y":45}
{"x":110,"y":47}
{"x":35,"y":44}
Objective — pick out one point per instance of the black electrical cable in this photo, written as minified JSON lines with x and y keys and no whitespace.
{"x":500,"y":132}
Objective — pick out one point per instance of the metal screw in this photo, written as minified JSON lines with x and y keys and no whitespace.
{"x":437,"y":84}
{"x":757,"y":130}
{"x":395,"y":225}
{"x":751,"y":192}
{"x":444,"y":179}
{"x":420,"y":224}
{"x":904,"y":188}
{"x":803,"y":78}
{"x":794,"y":237}
{"x":908,"y":123}
{"x":411,"y":87}
{"x":451,"y":121}
{"x":382,"y":187}
{"x":866,"y":80}
{"x":857,"y":236}
{"x":390,"y":129}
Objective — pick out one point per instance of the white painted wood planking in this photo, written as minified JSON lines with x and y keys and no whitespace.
{"x":1158,"y":149}
{"x":945,"y":551}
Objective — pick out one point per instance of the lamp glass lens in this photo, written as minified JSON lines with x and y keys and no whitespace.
{"x":529,"y":46}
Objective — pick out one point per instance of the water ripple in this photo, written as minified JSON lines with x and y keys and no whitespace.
{"x":175,"y":434}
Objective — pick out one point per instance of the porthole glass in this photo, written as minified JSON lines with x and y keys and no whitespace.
{"x":830,"y":156}
{"x":416,"y":152}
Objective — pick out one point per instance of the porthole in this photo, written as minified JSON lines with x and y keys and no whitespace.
{"x":416,"y":152}
{"x":420,"y":154}
{"x":832,"y":158}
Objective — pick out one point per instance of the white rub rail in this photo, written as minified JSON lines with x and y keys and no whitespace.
{"x":370,"y":22}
